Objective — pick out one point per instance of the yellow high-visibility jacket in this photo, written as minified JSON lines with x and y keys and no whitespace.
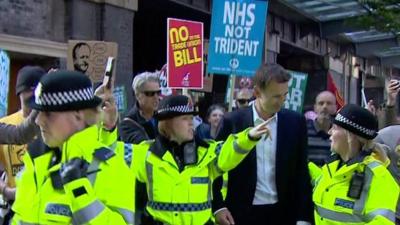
{"x":105,"y":196}
{"x":184,"y":197}
{"x":315,"y":172}
{"x":376,"y":204}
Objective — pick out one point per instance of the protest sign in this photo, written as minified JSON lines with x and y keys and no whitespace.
{"x":90,"y":57}
{"x":237,"y":36}
{"x":185,"y":54}
{"x":297,"y":91}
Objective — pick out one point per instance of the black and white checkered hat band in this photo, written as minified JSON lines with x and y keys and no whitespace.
{"x":65,"y":97}
{"x":178,"y":108}
{"x":362,"y":129}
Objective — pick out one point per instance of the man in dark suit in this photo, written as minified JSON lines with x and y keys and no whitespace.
{"x":271,"y":185}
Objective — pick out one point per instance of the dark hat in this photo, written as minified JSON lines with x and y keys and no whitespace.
{"x":357,"y":120}
{"x":64,"y":91}
{"x":173,"y":106}
{"x":28,"y":77}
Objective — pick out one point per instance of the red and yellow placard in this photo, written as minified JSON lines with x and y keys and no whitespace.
{"x":185,"y":54}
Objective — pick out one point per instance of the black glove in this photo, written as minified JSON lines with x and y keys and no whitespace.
{"x":74,"y":169}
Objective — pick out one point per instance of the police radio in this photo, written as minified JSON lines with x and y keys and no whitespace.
{"x":190,"y":153}
{"x":356,"y":185}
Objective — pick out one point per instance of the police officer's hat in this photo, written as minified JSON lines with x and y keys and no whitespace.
{"x":357,"y":120}
{"x":173,"y":106}
{"x":64,"y":91}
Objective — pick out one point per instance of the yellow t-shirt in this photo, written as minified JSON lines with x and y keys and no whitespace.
{"x":11,"y":155}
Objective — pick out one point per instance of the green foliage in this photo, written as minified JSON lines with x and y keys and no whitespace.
{"x":383,"y":15}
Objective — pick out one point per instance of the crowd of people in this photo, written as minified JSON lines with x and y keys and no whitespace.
{"x":69,"y":159}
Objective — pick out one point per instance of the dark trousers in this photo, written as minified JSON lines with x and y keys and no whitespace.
{"x":265,"y":214}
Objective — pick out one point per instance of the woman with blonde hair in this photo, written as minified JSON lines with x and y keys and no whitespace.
{"x":179,"y":170}
{"x":354,"y":186}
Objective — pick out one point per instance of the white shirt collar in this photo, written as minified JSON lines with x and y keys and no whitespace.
{"x":257,"y":119}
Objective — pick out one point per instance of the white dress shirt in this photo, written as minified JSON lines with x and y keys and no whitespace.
{"x":266,"y":156}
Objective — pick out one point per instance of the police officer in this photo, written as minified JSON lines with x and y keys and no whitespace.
{"x":77,"y":179}
{"x":178,"y":170}
{"x":354,"y":186}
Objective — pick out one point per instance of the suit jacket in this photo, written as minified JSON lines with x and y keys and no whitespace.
{"x":292,"y":177}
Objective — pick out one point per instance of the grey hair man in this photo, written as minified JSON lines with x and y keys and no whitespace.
{"x":139,"y":124}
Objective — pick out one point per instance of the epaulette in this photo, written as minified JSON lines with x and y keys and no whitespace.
{"x":103,"y":154}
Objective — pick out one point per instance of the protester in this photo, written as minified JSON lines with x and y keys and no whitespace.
{"x":11,"y":155}
{"x":390,"y":134}
{"x":209,"y":130}
{"x":243,"y":98}
{"x":139,"y":123}
{"x":317,"y":129}
{"x":19,"y":134}
{"x":16,"y":134}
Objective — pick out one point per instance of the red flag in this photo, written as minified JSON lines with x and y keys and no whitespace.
{"x":332,"y":88}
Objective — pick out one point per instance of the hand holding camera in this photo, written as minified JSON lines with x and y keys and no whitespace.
{"x":392,"y":90}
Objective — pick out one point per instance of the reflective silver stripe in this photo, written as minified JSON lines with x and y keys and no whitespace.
{"x":183,"y":207}
{"x":337,"y":216}
{"x":217,"y":150}
{"x":92,"y":170}
{"x":88,"y":213}
{"x":388,"y":214}
{"x":238,"y":149}
{"x":129,"y":216}
{"x":359,"y":205}
{"x":149,"y":172}
{"x":128,"y":153}
{"x":113,"y":146}
{"x":219,"y":170}
{"x":351,"y":218}
{"x":373,"y":164}
{"x":209,"y":188}
{"x":225,"y":183}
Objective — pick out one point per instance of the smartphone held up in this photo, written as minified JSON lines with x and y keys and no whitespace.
{"x":107,"y":80}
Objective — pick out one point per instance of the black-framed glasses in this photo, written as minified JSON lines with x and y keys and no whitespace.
{"x":243,"y":101}
{"x":152,"y":93}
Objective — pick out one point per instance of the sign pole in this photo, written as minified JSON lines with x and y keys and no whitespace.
{"x":185,"y":91}
{"x":232,"y":91}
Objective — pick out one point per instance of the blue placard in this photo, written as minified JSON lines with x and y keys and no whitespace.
{"x":4,"y":82}
{"x":237,"y":36}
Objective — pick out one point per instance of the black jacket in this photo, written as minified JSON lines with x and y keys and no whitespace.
{"x":292,"y":177}
{"x":135,"y":129}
